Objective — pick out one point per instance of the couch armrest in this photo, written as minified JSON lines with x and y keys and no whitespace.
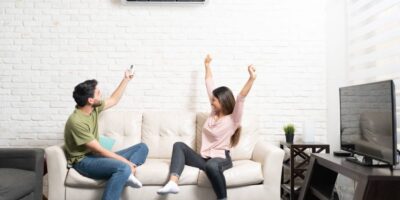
{"x":31,"y":159}
{"x":26,"y":159}
{"x":57,"y":171}
{"x":271,"y":159}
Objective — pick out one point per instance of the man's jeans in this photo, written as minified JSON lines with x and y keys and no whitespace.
{"x":117,"y":172}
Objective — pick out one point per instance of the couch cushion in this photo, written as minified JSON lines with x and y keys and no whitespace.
{"x":123,"y":126}
{"x":160,"y":130}
{"x":243,"y":172}
{"x":156,"y":172}
{"x":75,"y":179}
{"x":248,"y":136}
{"x":248,"y":139}
{"x":201,"y":118}
{"x":16,"y":183}
{"x":153,"y":172}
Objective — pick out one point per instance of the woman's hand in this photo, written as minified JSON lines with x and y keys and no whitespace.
{"x":252,"y":72}
{"x":252,"y":76}
{"x":207,"y":60}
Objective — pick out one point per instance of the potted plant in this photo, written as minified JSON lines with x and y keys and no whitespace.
{"x":289,"y":132}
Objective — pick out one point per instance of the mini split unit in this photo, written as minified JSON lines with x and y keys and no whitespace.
{"x":160,"y":1}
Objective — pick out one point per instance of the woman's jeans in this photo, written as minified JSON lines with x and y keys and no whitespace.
{"x":183,"y":155}
{"x":117,"y":172}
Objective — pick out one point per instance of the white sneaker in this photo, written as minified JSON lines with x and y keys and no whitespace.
{"x":170,"y":187}
{"x":133,"y":182}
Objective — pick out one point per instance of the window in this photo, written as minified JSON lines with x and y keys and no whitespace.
{"x":373,"y":42}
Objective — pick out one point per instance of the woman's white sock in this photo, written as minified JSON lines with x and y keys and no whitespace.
{"x":170,"y":187}
{"x":133,"y":182}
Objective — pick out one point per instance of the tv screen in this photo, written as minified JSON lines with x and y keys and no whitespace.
{"x":368,"y":120}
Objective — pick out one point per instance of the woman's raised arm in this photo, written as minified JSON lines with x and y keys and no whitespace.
{"x":208,"y":78}
{"x":252,"y":77}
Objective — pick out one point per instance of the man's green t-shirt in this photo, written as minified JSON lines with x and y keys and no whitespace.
{"x":79,"y":130}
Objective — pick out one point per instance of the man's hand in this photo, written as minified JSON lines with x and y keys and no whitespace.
{"x":117,"y":94}
{"x":96,"y":148}
{"x":133,"y":168}
{"x":128,"y":75}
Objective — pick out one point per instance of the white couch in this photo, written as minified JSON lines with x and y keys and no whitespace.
{"x":256,"y":171}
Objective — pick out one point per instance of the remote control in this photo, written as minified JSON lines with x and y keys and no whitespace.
{"x":341,"y":153}
{"x":131,"y":70}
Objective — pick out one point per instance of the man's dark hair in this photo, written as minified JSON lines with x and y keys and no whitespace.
{"x":84,"y":91}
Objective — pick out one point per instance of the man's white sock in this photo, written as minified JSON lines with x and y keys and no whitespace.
{"x":170,"y":187}
{"x":133,"y":182}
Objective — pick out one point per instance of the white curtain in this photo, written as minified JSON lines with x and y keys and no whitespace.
{"x":373,"y":43}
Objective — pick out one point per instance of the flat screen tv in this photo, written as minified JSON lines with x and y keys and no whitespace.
{"x":368,"y":122}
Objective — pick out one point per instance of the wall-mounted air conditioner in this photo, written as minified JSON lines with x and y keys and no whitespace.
{"x":163,"y":1}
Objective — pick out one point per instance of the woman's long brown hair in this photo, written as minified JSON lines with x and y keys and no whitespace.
{"x":227,"y":101}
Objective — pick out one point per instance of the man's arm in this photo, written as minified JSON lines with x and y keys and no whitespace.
{"x":96,"y":148}
{"x":117,"y":94}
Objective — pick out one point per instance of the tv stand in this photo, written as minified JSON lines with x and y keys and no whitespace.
{"x":366,"y":161}
{"x":372,"y":182}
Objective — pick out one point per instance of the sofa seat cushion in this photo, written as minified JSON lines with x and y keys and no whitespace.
{"x":243,"y":172}
{"x":156,"y":172}
{"x":75,"y":179}
{"x":152,"y":172}
{"x":16,"y":183}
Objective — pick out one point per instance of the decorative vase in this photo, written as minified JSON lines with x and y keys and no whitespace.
{"x":289,"y":138}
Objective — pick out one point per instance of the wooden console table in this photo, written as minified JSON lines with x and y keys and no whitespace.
{"x":373,"y":183}
{"x":289,"y":190}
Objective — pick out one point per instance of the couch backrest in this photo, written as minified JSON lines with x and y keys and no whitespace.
{"x":248,"y":136}
{"x":160,"y":130}
{"x":123,"y":126}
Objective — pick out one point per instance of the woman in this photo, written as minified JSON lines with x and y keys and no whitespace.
{"x":221,"y":131}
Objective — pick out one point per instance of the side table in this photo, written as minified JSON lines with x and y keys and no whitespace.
{"x":297,"y":164}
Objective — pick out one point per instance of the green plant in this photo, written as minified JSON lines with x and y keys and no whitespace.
{"x":289,"y":129}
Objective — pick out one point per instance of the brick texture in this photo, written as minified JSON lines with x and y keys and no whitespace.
{"x":49,"y":46}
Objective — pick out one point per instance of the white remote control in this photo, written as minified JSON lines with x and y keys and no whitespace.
{"x":131,"y":70}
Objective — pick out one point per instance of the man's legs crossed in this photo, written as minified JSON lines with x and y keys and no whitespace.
{"x":137,"y":154}
{"x":115,"y":171}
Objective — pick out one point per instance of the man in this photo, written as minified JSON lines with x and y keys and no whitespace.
{"x":84,"y":152}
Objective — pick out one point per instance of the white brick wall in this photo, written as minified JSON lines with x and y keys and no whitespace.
{"x":48,"y":46}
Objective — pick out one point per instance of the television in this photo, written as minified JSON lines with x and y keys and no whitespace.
{"x":368,"y":123}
